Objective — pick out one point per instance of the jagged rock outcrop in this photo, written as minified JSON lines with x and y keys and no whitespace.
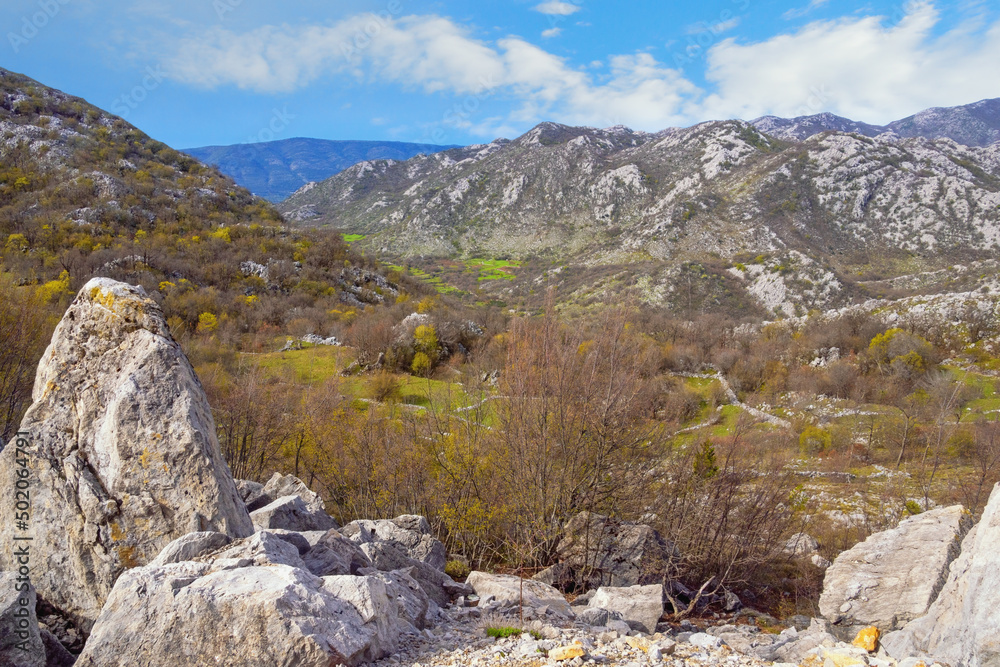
{"x":636,"y":604}
{"x":291,"y":513}
{"x":289,"y":485}
{"x":962,"y":626}
{"x":20,"y":641}
{"x":251,"y":602}
{"x":596,"y":550}
{"x":439,"y":586}
{"x":893,"y":577}
{"x":332,"y":553}
{"x":409,"y":533}
{"x":122,"y":450}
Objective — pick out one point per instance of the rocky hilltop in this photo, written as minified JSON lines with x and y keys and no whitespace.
{"x":975,"y":124}
{"x":719,"y":188}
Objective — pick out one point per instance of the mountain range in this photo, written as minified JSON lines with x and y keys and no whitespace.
{"x":973,"y":125}
{"x":275,"y":169}
{"x":794,"y":223}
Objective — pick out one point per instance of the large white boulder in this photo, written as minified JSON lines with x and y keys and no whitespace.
{"x":122,"y":451}
{"x":639,"y":604}
{"x":249,"y":603}
{"x":962,"y":627}
{"x":508,"y":588}
{"x":893,"y":577}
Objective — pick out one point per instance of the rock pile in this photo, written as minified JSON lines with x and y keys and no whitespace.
{"x":122,"y":449}
{"x":262,"y":600}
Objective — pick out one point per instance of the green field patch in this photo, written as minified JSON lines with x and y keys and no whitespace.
{"x":310,"y":365}
{"x":351,"y":238}
{"x":493,"y":269}
{"x":434,"y":281}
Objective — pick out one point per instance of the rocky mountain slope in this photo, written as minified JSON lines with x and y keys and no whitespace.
{"x":975,"y":124}
{"x":821,"y":209}
{"x":275,"y":169}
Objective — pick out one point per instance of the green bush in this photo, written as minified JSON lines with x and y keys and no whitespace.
{"x":456,"y":569}
{"x":503,"y":632}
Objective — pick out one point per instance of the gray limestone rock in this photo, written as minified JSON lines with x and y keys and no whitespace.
{"x":253,"y":494}
{"x":291,"y":513}
{"x":962,"y":626}
{"x":802,"y":545}
{"x":333,"y":553}
{"x":122,"y":448}
{"x":20,"y":641}
{"x":190,"y":546}
{"x":409,"y":533}
{"x":893,"y":577}
{"x":508,"y":588}
{"x":439,"y":586}
{"x":598,"y":551}
{"x":288,"y":485}
{"x":412,"y":603}
{"x":642,"y":604}
{"x":252,"y":602}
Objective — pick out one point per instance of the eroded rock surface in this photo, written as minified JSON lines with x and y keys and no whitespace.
{"x":893,"y":577}
{"x":409,"y":533}
{"x":508,"y":588}
{"x":598,"y":551}
{"x":962,"y":626}
{"x":122,"y":448}
{"x":639,"y":604}
{"x":20,"y":641}
{"x":251,"y":602}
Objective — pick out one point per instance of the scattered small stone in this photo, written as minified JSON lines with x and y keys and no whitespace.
{"x":567,"y":652}
{"x":867,"y":639}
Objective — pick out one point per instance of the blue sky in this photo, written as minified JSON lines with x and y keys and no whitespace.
{"x":198,"y":72}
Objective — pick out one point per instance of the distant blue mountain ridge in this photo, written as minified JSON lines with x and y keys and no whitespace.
{"x":275,"y":169}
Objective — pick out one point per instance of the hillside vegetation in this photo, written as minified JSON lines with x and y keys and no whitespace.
{"x":534,"y":369}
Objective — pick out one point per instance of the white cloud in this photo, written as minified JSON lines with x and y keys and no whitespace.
{"x":862,"y":68}
{"x":714,"y":28}
{"x":434,"y":54}
{"x":866,"y":68}
{"x":799,"y":12}
{"x":557,"y":8}
{"x":551,"y":32}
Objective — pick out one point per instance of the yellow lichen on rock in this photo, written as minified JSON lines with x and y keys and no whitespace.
{"x":566,"y":652}
{"x":638,"y":643}
{"x":867,"y":639}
